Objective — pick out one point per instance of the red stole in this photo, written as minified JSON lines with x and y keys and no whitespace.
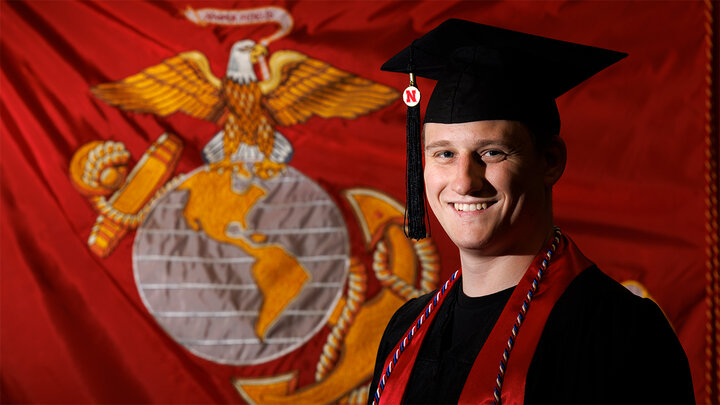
{"x":567,"y":262}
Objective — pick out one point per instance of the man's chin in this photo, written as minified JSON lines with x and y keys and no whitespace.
{"x":492,"y":242}
{"x":473,"y":244}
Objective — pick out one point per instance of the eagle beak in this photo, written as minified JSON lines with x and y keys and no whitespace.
{"x":257,"y":52}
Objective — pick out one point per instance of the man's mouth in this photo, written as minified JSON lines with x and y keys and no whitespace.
{"x":472,"y":207}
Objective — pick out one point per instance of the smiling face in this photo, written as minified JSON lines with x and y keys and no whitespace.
{"x":489,"y":186}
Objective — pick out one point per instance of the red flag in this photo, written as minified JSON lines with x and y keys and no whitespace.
{"x":169,"y":235}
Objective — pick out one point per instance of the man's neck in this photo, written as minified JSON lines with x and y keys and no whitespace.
{"x":488,"y":274}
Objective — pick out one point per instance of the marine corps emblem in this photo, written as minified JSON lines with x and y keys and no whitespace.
{"x":245,"y":259}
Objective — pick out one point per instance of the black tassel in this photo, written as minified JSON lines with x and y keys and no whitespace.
{"x":415,"y":211}
{"x":414,"y":181}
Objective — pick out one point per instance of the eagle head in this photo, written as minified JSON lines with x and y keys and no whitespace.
{"x":242,"y":56}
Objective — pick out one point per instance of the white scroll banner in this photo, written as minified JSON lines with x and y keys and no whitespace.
{"x":253,"y":16}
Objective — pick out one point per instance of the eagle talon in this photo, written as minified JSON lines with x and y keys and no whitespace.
{"x":268,"y":169}
{"x":238,"y":168}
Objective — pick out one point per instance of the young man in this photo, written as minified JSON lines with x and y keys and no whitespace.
{"x":527,"y":319}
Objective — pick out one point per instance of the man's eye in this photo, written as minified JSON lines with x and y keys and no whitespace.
{"x":446,"y":154}
{"x":493,"y":155}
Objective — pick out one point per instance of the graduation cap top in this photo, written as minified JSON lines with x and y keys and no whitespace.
{"x":488,"y":73}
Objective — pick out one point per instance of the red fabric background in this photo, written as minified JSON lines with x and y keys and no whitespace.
{"x":73,"y":327}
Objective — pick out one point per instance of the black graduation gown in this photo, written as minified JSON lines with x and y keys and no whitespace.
{"x":601,"y":344}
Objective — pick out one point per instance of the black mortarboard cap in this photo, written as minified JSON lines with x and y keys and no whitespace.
{"x":489,"y":73}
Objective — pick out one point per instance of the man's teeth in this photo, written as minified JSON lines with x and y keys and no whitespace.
{"x":470,"y":207}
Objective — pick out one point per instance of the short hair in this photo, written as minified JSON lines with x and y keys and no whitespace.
{"x":542,"y":136}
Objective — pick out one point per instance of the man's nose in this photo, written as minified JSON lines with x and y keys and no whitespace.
{"x":469,"y":175}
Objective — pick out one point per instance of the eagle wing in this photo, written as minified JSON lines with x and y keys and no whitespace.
{"x":300,"y":87}
{"x":181,"y":83}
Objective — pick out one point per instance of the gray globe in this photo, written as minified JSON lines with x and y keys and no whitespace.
{"x":203,"y":291}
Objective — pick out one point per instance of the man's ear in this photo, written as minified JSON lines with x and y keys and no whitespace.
{"x":555,"y":155}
